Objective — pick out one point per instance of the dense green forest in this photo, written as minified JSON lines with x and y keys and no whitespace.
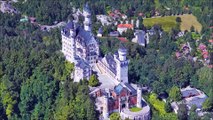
{"x":35,"y":78}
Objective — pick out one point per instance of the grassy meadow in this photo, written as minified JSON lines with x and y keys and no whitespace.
{"x":169,"y":22}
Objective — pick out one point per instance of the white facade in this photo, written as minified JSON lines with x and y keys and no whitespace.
{"x":116,"y":66}
{"x":105,"y":108}
{"x":141,"y":37}
{"x":80,"y":47}
{"x":82,"y":71}
{"x":122,"y":66}
{"x":121,"y":30}
{"x":139,"y":97}
{"x":68,"y":45}
{"x":124,"y":27}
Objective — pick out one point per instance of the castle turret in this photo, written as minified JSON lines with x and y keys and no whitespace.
{"x":122,"y":65}
{"x":105,"y":108}
{"x":87,"y":17}
{"x":122,"y":53}
{"x":139,"y":97}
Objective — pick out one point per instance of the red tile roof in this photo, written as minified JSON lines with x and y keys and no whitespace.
{"x":202,"y":46}
{"x":123,"y":39}
{"x":210,"y":66}
{"x":140,"y":14}
{"x":211,"y":41}
{"x":178,"y":54}
{"x":129,"y":26}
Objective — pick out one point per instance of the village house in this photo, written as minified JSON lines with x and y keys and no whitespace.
{"x":190,"y":96}
{"x":124,"y":27}
{"x":100,"y":32}
{"x":114,"y":34}
{"x":141,"y":37}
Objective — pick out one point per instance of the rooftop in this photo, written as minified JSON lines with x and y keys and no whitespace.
{"x":82,"y":64}
{"x":129,"y":26}
{"x":86,"y":8}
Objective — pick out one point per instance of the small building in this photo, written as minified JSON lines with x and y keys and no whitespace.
{"x":124,"y":27}
{"x":204,"y":51}
{"x":140,"y":37}
{"x":122,"y":39}
{"x":178,"y":54}
{"x":105,"y":20}
{"x":211,"y":41}
{"x":100,"y":32}
{"x":114,"y":34}
{"x":192,"y":96}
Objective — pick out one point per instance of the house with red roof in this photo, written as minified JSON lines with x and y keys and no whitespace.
{"x":204,"y":51}
{"x":124,"y":27}
{"x":211,"y":41}
{"x":122,"y":39}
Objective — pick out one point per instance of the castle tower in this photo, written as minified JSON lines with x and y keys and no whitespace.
{"x":87,"y":17}
{"x":127,"y":102}
{"x":68,"y":41}
{"x":139,"y":97}
{"x":122,"y":65}
{"x":105,"y":108}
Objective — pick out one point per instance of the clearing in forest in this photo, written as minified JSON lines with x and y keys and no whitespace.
{"x":189,"y":20}
{"x":169,"y":22}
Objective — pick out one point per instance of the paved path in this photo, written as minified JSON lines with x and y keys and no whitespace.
{"x":106,"y":81}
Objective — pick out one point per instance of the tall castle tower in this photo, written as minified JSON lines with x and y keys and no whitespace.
{"x":68,"y":42}
{"x":139,"y":97}
{"x":105,"y":108}
{"x":122,"y":65}
{"x":87,"y":17}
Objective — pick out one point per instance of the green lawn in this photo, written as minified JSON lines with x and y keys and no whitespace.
{"x":167,"y":22}
{"x":188,"y":21}
{"x":135,"y":109}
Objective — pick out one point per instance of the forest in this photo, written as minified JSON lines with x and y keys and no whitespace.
{"x":35,"y":78}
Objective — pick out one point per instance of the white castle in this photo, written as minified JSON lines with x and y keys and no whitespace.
{"x":80,"y":47}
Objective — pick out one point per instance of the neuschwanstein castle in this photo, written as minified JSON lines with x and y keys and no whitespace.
{"x":80,"y":47}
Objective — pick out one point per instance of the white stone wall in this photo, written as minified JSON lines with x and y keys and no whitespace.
{"x":121,"y":30}
{"x":68,"y":48}
{"x":122,"y":66}
{"x":143,"y":114}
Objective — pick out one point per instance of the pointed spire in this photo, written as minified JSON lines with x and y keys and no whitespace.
{"x":122,"y":47}
{"x":86,"y":7}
